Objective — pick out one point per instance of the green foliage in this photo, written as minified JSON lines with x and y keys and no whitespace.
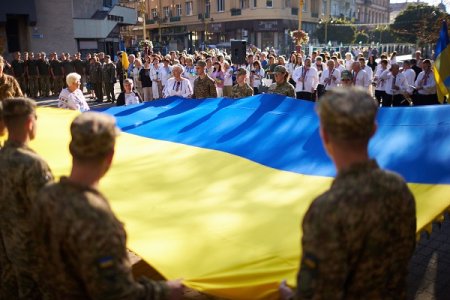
{"x":418,"y":23}
{"x":382,"y":35}
{"x":338,"y":30}
{"x":361,"y":37}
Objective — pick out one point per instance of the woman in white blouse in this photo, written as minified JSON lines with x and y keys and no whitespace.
{"x":72,"y":97}
{"x":177,"y":85}
{"x":128,"y":97}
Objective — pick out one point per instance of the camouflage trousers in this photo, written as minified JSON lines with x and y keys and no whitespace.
{"x":109,"y":91}
{"x":58,"y":84}
{"x":23,"y":84}
{"x":33,"y":86}
{"x":44,"y":85}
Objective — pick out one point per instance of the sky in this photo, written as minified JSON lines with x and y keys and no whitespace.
{"x":432,"y":2}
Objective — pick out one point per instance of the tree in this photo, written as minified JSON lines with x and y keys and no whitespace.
{"x":361,"y":37}
{"x":338,"y":30}
{"x":418,"y":23}
{"x":382,"y":35}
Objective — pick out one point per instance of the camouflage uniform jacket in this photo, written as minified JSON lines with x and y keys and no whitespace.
{"x":83,"y":247}
{"x":109,"y":73}
{"x":358,"y":237}
{"x":285,"y":88}
{"x":204,"y":88}
{"x":241,"y":91}
{"x":9,"y":87}
{"x":22,"y":174}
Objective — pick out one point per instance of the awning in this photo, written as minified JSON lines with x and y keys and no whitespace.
{"x":18,"y":7}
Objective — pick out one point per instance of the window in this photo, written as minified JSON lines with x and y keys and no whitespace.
{"x":305,"y":6}
{"x":154,"y":13}
{"x":255,"y":3}
{"x":243,"y":4}
{"x":287,"y":3}
{"x":189,"y":8}
{"x":324,"y":7}
{"x":269,"y":3}
{"x":178,"y":10}
{"x":220,"y":5}
{"x":166,"y":10}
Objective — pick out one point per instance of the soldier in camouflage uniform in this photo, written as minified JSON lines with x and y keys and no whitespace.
{"x":358,"y":236}
{"x":82,"y":243}
{"x":22,"y":174}
{"x":18,"y":67}
{"x":32,"y":74}
{"x":241,"y":89}
{"x":109,"y":78}
{"x":56,"y":72}
{"x":44,"y":75}
{"x":281,"y":85}
{"x":9,"y":87}
{"x":204,"y":86}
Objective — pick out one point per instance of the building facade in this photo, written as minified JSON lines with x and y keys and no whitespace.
{"x":185,"y":24}
{"x":62,"y":25}
{"x":372,"y":11}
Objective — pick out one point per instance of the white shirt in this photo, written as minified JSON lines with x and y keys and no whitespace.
{"x":327,"y":78}
{"x":348,"y":64}
{"x":391,"y":80}
{"x":369,"y":71}
{"x":361,"y":79}
{"x":426,"y":82}
{"x":72,"y":100}
{"x":379,"y":80}
{"x":131,"y":98}
{"x":410,"y":75}
{"x":190,"y":74}
{"x":182,"y":88}
{"x":155,"y":73}
{"x":228,"y":77}
{"x":257,"y":77}
{"x":166,"y":73}
{"x":306,"y":80}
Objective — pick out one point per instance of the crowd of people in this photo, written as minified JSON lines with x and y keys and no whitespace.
{"x":213,"y":74}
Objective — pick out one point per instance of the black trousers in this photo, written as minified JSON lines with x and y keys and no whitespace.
{"x":420,"y":99}
{"x":394,"y":100}
{"x":379,"y":96}
{"x":305,"y":96}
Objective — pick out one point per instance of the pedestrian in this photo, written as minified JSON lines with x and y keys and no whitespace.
{"x":72,"y":97}
{"x":82,"y":244}
{"x":129,"y":96}
{"x":22,"y":174}
{"x":281,"y":85}
{"x":9,"y":87}
{"x":363,"y":249}
{"x":241,"y":89}
{"x":109,"y":78}
{"x":204,"y":86}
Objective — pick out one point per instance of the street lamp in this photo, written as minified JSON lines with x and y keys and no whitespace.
{"x":142,"y":11}
{"x":300,"y":14}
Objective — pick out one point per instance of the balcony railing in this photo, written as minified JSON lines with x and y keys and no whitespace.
{"x":175,"y":19}
{"x":294,"y":11}
{"x":314,"y":15}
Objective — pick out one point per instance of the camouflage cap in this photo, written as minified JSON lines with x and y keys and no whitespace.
{"x":93,"y":135}
{"x":346,"y":75}
{"x":201,"y":63}
{"x":241,"y":71}
{"x":280,"y":69}
{"x":348,"y":114}
{"x":18,"y":107}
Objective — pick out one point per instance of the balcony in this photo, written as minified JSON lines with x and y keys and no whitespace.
{"x":236,"y":12}
{"x":200,"y":16}
{"x":100,"y":25}
{"x":314,"y":14}
{"x":294,"y":11}
{"x":175,"y":19}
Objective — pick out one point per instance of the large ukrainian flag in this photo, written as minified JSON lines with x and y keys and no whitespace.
{"x":442,"y":64}
{"x":214,"y":191}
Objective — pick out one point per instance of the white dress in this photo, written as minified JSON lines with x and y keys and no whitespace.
{"x":72,"y":100}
